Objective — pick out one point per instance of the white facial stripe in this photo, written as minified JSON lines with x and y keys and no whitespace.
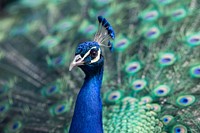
{"x":87,"y":53}
{"x":78,"y":61}
{"x":97,"y":58}
{"x":92,"y":61}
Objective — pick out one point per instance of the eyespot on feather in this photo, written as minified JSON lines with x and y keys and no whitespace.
{"x":185,"y":100}
{"x":179,"y":129}
{"x":139,"y":84}
{"x":133,"y":67}
{"x":161,"y":91}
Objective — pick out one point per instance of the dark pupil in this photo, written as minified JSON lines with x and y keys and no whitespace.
{"x":178,"y":130}
{"x":93,"y":53}
{"x":165,"y":119}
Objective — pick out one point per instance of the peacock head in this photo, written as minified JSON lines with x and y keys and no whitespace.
{"x":88,"y":57}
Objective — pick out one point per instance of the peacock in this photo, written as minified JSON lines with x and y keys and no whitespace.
{"x":139,"y":68}
{"x":88,"y":110}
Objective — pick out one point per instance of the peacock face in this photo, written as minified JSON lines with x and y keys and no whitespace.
{"x":88,"y":57}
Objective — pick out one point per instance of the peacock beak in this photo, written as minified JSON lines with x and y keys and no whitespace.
{"x":78,"y":61}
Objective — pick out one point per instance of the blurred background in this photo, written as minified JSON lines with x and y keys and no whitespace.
{"x":3,"y":3}
{"x":38,"y":39}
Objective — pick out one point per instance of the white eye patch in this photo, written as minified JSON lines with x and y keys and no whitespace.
{"x":78,"y":60}
{"x":95,"y":59}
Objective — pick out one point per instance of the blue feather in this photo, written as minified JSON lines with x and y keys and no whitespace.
{"x":87,"y":116}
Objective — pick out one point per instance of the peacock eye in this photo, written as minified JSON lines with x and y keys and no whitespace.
{"x":179,"y":129}
{"x":166,"y":119}
{"x":93,"y":53}
{"x":185,"y":100}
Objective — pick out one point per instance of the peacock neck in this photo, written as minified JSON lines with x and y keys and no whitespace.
{"x":88,"y":109}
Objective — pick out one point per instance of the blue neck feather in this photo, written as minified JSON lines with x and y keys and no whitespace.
{"x":88,"y":110}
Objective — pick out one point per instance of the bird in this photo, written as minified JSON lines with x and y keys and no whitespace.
{"x":88,"y":56}
{"x":139,"y":69}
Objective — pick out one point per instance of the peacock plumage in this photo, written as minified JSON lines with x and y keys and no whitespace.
{"x":151,"y":80}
